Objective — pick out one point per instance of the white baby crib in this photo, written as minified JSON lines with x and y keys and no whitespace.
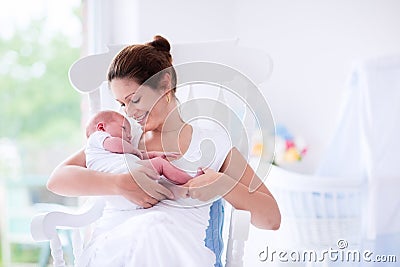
{"x":318,"y":213}
{"x":352,"y":202}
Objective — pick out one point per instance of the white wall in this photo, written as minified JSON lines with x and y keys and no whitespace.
{"x":312,"y":44}
{"x":136,"y":21}
{"x":187,"y":21}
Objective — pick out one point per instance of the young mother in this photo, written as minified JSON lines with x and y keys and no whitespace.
{"x":162,"y":234}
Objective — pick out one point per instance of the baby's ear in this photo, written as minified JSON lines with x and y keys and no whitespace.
{"x":100,"y":127}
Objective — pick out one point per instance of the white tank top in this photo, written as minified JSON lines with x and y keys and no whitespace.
{"x":208,"y":149}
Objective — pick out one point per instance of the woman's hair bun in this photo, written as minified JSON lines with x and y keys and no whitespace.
{"x":160,"y":43}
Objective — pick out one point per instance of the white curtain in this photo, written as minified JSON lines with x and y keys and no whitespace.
{"x":366,"y":144}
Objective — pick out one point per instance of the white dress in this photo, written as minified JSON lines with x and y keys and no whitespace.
{"x":170,"y":234}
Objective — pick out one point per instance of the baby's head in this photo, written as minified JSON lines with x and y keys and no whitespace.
{"x":111,"y":122}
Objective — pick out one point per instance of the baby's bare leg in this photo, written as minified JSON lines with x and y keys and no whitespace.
{"x":164,"y":167}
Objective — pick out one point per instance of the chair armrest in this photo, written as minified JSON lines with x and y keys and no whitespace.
{"x":238,"y":235}
{"x":44,"y":226}
{"x":240,"y":224}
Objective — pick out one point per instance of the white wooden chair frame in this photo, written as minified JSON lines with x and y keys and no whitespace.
{"x":89,"y":77}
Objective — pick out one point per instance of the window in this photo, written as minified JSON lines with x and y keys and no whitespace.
{"x":40,"y":113}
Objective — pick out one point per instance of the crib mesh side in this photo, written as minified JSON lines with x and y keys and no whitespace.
{"x":313,"y":219}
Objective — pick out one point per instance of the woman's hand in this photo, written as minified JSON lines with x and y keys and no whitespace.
{"x":154,"y":154}
{"x":136,"y":152}
{"x":72,"y":178}
{"x":208,"y":185}
{"x":140,"y":187}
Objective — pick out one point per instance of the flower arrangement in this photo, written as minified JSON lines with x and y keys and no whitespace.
{"x":288,"y":149}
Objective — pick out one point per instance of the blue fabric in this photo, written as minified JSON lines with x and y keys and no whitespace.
{"x":213,"y":238}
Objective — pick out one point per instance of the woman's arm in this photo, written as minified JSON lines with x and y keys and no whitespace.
{"x":72,"y":178}
{"x":262,"y":205}
{"x":233,"y":183}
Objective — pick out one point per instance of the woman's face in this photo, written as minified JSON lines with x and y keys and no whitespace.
{"x":142,"y":103}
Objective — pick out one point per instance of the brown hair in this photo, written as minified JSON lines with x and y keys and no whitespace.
{"x":141,"y":62}
{"x":102,"y":116}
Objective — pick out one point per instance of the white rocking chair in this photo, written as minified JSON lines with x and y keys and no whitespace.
{"x":88,"y":75}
